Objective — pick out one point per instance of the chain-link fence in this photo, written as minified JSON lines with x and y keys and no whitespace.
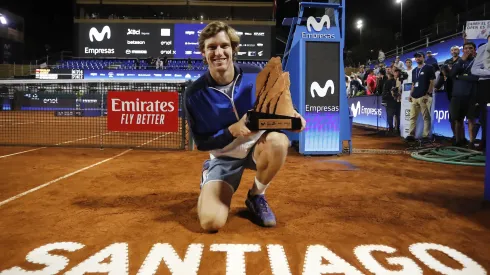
{"x":74,"y":114}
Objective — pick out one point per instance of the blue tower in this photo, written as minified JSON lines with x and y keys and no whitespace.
{"x":314,"y":60}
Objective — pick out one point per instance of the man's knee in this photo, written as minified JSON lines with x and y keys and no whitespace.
{"x":277,"y":143}
{"x":211,"y":222}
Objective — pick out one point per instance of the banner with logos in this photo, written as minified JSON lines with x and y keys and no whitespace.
{"x":143,"y":111}
{"x":477,"y":29}
{"x":142,"y":74}
{"x":322,"y":96}
{"x":142,"y":40}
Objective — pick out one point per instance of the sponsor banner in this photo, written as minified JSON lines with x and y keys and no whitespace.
{"x":322,"y":97}
{"x":477,"y":29}
{"x":142,"y":74}
{"x":143,"y":111}
{"x":64,"y":104}
{"x":142,"y":40}
{"x":368,"y":111}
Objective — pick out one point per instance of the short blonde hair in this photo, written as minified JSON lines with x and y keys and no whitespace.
{"x":216,"y":27}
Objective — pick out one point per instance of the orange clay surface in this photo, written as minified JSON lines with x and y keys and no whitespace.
{"x":336,"y":215}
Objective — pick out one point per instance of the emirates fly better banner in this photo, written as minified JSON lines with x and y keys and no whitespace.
{"x":143,"y":111}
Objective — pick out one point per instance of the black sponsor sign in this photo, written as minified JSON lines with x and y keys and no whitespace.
{"x":322,"y":89}
{"x":42,"y":99}
{"x":142,"y":40}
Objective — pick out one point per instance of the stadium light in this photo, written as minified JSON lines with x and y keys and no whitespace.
{"x":3,"y":20}
{"x":401,"y":17}
{"x":359,"y":26}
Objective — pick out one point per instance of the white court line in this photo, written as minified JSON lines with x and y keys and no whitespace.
{"x":74,"y":173}
{"x":18,"y":153}
{"x":70,"y":141}
{"x":63,"y":177}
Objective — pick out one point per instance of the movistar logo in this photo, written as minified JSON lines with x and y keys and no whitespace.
{"x":317,"y":26}
{"x":99,"y":36}
{"x":358,"y":110}
{"x":315,"y":88}
{"x":355,"y":109}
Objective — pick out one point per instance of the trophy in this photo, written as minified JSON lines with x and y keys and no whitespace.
{"x":273,"y":108}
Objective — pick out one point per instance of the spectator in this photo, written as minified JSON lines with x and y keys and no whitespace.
{"x":483,"y":89}
{"x":356,"y":87}
{"x":347,"y":85}
{"x":454,"y":56}
{"x":398,"y":63}
{"x":362,"y":73}
{"x":398,"y":96}
{"x":389,"y":100}
{"x":408,"y":63}
{"x":381,"y":56}
{"x":371,"y":82}
{"x":422,"y":84}
{"x":381,"y":79}
{"x":430,"y":59}
{"x":448,"y":81}
{"x":463,"y":100}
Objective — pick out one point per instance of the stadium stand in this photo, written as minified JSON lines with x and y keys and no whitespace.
{"x":134,"y":64}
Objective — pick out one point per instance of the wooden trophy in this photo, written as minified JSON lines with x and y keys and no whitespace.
{"x":273,"y":108}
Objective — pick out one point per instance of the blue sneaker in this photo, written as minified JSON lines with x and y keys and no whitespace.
{"x":260,"y":209}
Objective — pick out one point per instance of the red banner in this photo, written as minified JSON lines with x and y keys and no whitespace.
{"x":143,"y":111}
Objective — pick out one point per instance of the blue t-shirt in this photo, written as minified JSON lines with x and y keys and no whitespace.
{"x":421,"y":78}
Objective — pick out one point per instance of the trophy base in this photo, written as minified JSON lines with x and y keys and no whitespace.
{"x":262,"y":121}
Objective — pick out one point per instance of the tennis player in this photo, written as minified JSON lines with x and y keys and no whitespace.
{"x":216,"y":105}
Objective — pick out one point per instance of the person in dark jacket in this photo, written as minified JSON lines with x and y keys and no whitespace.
{"x":381,"y":82}
{"x":389,"y":99}
{"x":216,"y":107}
{"x":463,"y":101}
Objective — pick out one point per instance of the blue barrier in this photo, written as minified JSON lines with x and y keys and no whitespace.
{"x":368,"y":111}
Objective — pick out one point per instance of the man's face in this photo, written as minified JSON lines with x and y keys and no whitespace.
{"x":408,"y":63}
{"x":388,"y":70}
{"x":218,"y":52}
{"x":455,"y":52}
{"x":419,"y":59}
{"x":469,"y":50}
{"x":429,"y":54}
{"x":396,"y":74}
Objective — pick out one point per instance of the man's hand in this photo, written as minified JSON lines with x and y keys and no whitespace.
{"x":239,"y":129}
{"x":465,"y":56}
{"x":410,"y":98}
{"x":303,"y":122}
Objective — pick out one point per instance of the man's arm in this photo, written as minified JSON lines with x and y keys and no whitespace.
{"x":478,"y":68}
{"x":215,"y":141}
{"x":457,"y":69}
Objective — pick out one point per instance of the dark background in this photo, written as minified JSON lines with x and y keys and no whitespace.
{"x":52,"y":24}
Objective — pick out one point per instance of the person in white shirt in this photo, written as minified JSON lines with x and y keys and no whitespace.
{"x":399,"y":63}
{"x":409,"y":69}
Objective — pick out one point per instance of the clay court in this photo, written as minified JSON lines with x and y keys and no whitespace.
{"x":125,"y":211}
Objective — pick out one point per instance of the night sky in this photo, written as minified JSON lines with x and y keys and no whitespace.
{"x":44,"y":25}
